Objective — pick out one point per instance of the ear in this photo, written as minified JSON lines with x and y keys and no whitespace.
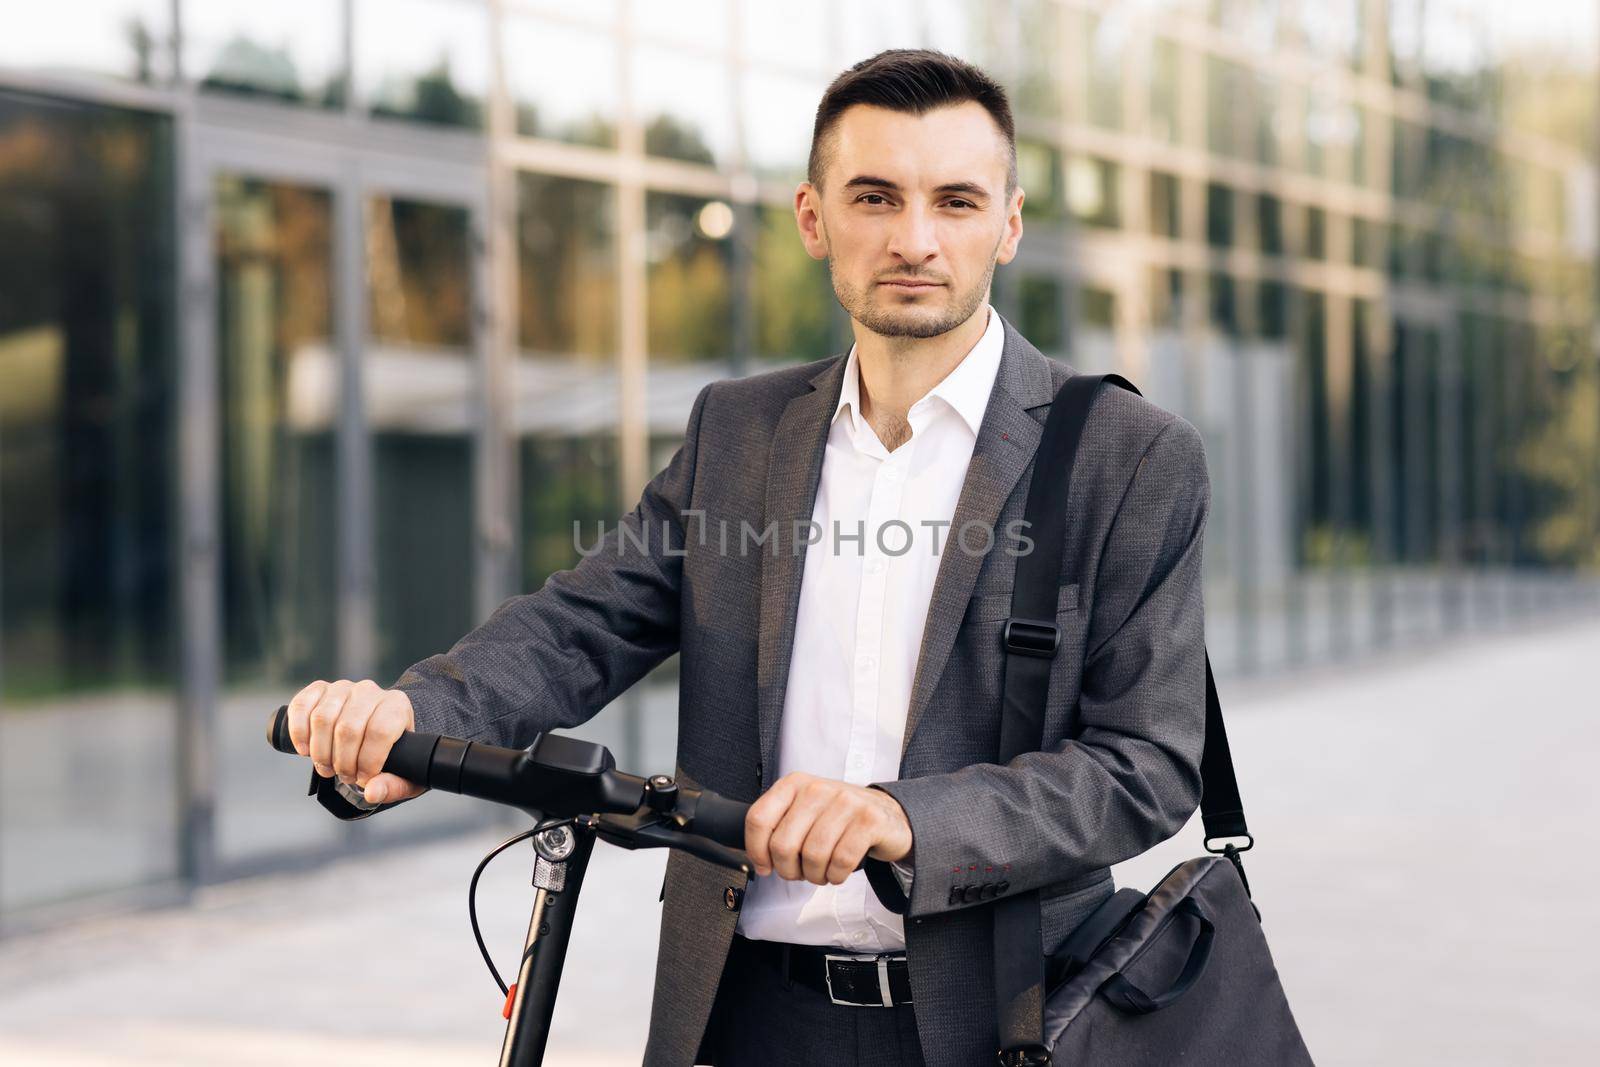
{"x":1012,"y":236}
{"x":808,"y":217}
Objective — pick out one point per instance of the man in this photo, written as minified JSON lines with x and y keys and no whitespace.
{"x":847,"y":678}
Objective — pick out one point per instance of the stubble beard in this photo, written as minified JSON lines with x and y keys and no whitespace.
{"x":908,"y":321}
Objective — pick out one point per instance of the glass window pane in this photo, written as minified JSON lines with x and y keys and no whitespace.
{"x":124,"y":38}
{"x":1269,"y":224}
{"x":778,"y":115}
{"x":88,"y":539}
{"x":772,"y":34}
{"x":794,"y":301}
{"x":689,"y":276}
{"x":701,"y":23}
{"x":1219,"y":215}
{"x":1037,"y":59}
{"x":1092,"y":190}
{"x":950,"y":25}
{"x":1039,"y":174}
{"x":1102,"y":40}
{"x":423,"y":59}
{"x":567,"y":268}
{"x":290,"y":49}
{"x":419,"y":289}
{"x":570,"y":473}
{"x":563,"y":80}
{"x":422,"y":389}
{"x":1098,"y":307}
{"x":1040,"y":311}
{"x":566,"y":376}
{"x":685,"y":105}
{"x":279,"y":396}
{"x":1165,"y":57}
{"x":1165,"y":205}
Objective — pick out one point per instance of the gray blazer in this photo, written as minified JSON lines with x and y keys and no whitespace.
{"x":1131,"y":662}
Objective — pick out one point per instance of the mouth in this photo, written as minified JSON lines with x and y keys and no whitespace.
{"x":911,"y":287}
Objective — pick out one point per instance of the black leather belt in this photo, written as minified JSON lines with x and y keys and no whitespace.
{"x":879,"y":980}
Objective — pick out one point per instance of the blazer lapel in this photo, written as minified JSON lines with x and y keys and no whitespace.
{"x":1007,"y":439}
{"x":794,"y":469}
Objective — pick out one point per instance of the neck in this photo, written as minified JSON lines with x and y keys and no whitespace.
{"x":896,"y":372}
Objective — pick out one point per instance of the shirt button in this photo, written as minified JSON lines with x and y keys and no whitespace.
{"x":858,"y":762}
{"x":858,"y":937}
{"x":868,"y":663}
{"x":875,"y":566}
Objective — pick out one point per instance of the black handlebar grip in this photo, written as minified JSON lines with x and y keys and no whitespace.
{"x":719,"y":818}
{"x":410,"y":757}
{"x":278,"y":732}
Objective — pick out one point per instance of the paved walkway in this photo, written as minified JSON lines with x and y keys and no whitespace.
{"x":1424,"y":822}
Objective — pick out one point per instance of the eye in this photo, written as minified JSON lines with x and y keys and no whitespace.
{"x":965,"y":203}
{"x":863,"y":197}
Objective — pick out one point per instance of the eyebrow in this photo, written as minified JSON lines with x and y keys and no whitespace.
{"x":968,"y":189}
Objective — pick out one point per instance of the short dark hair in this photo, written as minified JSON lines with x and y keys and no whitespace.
{"x":914,"y":80}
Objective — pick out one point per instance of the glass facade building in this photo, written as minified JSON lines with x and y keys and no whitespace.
{"x":322,"y":322}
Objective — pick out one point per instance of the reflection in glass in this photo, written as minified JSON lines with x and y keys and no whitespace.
{"x":771,"y":34}
{"x":123,"y":38}
{"x":422,"y":390}
{"x":563,"y":81}
{"x":702,"y":24}
{"x":1165,"y":56}
{"x":688,"y":257}
{"x":279,"y":401}
{"x":1219,"y":215}
{"x":1100,"y":42}
{"x":1092,"y":190}
{"x":1038,"y":77}
{"x":1097,"y":307}
{"x":88,"y":544}
{"x":1166,"y":205}
{"x":685,"y":106}
{"x":950,"y":25}
{"x":794,"y":300}
{"x":426,"y":60}
{"x":566,"y":381}
{"x":1041,"y":311}
{"x":1039,"y":174}
{"x":570,"y":484}
{"x":290,"y":49}
{"x":778,"y":115}
{"x":567,"y":268}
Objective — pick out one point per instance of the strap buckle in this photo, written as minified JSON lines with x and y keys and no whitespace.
{"x":1027,"y":1056}
{"x":1031,"y":637}
{"x":881,"y":962}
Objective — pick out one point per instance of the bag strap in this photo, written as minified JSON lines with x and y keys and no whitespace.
{"x":1030,"y":641}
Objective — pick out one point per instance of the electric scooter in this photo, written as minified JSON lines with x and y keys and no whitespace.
{"x":575,"y":794}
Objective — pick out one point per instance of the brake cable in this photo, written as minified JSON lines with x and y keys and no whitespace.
{"x":472,"y":892}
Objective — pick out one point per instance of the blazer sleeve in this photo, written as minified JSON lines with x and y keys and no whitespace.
{"x":1131,"y":776}
{"x":555,"y":657}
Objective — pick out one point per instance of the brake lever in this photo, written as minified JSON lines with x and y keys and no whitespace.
{"x":650,"y":830}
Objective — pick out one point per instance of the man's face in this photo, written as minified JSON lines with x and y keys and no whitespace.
{"x":913,"y":216}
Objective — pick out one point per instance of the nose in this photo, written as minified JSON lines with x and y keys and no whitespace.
{"x":914,"y":237}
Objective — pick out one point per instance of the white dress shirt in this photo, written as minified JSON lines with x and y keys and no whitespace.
{"x":885,"y":520}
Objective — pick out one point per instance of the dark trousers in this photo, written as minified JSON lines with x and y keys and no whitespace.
{"x":761,"y":1019}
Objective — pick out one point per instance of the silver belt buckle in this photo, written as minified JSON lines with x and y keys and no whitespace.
{"x":886,"y":999}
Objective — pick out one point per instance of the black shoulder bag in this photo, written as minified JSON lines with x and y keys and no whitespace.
{"x":1179,"y":974}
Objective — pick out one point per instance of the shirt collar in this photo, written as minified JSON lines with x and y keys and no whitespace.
{"x":966,"y":388}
